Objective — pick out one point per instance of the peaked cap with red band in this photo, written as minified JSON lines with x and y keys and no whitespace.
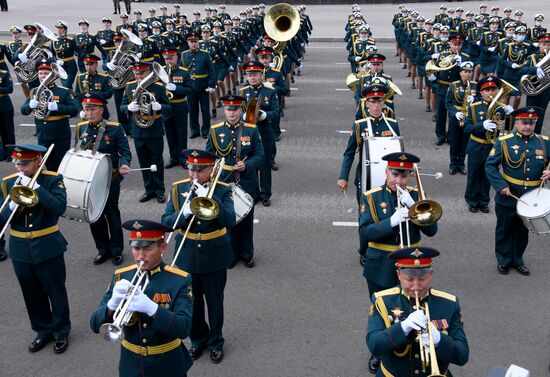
{"x":253,"y":66}
{"x":544,"y":37}
{"x":414,"y":257}
{"x":401,"y":160}
{"x":529,"y":112}
{"x":140,"y":66}
{"x":91,"y":58}
{"x":376,"y":58}
{"x":489,"y":82}
{"x":197,"y":157}
{"x":26,"y":152}
{"x":145,"y":232}
{"x":232,"y":100}
{"x":93,"y":99}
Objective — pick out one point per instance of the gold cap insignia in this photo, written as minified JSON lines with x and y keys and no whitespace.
{"x":137,"y":225}
{"x":402,"y":157}
{"x":417,"y":253}
{"x":194,"y":153}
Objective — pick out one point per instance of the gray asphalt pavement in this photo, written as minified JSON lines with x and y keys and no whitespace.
{"x":303,"y":310}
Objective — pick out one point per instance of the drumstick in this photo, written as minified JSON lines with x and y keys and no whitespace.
{"x":520,"y":200}
{"x":542,"y":183}
{"x":153,"y":168}
{"x":349,"y":210}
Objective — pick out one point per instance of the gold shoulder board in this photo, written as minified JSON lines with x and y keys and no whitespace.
{"x":217,"y":125}
{"x":125,"y":269}
{"x":387,"y":292}
{"x":442,"y":294}
{"x":176,"y":270}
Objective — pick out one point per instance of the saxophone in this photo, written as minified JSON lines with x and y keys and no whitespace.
{"x":44,"y":95}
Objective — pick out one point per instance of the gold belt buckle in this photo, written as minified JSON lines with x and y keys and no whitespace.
{"x":28,"y":235}
{"x":193,"y":76}
{"x":143,"y":351}
{"x":198,"y":237}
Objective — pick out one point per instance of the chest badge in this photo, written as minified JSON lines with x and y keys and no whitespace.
{"x":384,"y":207}
{"x":222,"y":136}
{"x":397,"y":312}
{"x":515,"y":148}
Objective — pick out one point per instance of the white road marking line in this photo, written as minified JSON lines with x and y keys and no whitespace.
{"x":341,"y":63}
{"x":344,"y":132}
{"x":256,"y":221}
{"x":32,"y":125}
{"x":291,"y":89}
{"x":345,"y":223}
{"x":283,"y":130}
{"x":342,"y":89}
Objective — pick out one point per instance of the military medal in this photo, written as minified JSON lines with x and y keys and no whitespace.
{"x":397,"y":312}
{"x":384,"y":207}
{"x":222,"y":136}
{"x":515,"y":148}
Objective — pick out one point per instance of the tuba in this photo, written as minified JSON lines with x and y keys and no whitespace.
{"x":278,"y":52}
{"x":145,"y":116}
{"x":35,"y":53}
{"x":495,"y":104}
{"x":531,"y":85}
{"x":282,"y":22}
{"x":44,"y":95}
{"x":123,"y":59}
{"x":446,"y":63}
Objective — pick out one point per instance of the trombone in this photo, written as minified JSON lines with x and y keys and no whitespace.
{"x":24,"y":195}
{"x":122,"y":316}
{"x":205,"y":208}
{"x":428,"y":355}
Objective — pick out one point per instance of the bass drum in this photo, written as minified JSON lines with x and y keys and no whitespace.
{"x":87,"y":178}
{"x":536,"y":213}
{"x":242,"y":202}
{"x":376,"y":148}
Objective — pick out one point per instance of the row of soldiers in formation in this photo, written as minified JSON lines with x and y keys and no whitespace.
{"x":522,"y":155}
{"x":211,"y":246}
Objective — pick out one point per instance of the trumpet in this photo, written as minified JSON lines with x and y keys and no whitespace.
{"x":205,"y":208}
{"x":113,"y":332}
{"x":24,"y":195}
{"x":428,"y":355}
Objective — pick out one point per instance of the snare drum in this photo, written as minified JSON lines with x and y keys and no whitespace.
{"x":242,"y":202}
{"x":535,"y":215}
{"x":87,"y":178}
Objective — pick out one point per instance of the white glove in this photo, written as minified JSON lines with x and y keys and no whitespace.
{"x":187,"y":209}
{"x":492,"y":49}
{"x":52,"y":106}
{"x":201,"y":191}
{"x":459,"y":115}
{"x":357,"y":58}
{"x":102,"y":41}
{"x":436,"y":335}
{"x":268,"y":84}
{"x":515,"y":66}
{"x":36,"y":185}
{"x":12,"y":205}
{"x":33,"y":104}
{"x":508,"y":109}
{"x":536,"y":44}
{"x":458,"y":59}
{"x":415,"y":321}
{"x":272,"y":65}
{"x":171,"y":86}
{"x":382,"y":80}
{"x":432,"y":77}
{"x":133,"y":106}
{"x":82,"y":115}
{"x":23,"y":58}
{"x":470,"y":99}
{"x":119,"y":293}
{"x":138,"y":55}
{"x":435,"y":56}
{"x":399,"y":216}
{"x":156,"y":106}
{"x":239,"y":59}
{"x":231,"y":69}
{"x":111,"y":66}
{"x":262,"y":116}
{"x":405,"y":197}
{"x":60,"y":62}
{"x":141,"y":303}
{"x":210,"y":90}
{"x":23,"y":179}
{"x":489,"y":125}
{"x":478,"y":43}
{"x":540,"y":73}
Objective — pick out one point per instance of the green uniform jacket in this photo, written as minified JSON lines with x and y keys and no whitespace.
{"x":376,"y":208}
{"x":35,"y":235}
{"x":522,"y":162}
{"x":200,"y":68}
{"x":399,"y":353}
{"x":169,"y":287}
{"x":200,"y":254}
{"x":6,"y":87}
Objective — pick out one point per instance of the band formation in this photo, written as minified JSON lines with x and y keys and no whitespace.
{"x":471,"y":73}
{"x":166,"y":74}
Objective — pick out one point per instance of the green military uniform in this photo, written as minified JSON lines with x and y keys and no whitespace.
{"x":105,"y":38}
{"x":7,"y":132}
{"x":65,"y":49}
{"x":515,"y":162}
{"x":206,"y":253}
{"x":149,"y":142}
{"x":269,"y":103}
{"x":97,"y":83}
{"x":36,"y":247}
{"x":86,"y":44}
{"x":224,"y":140}
{"x":55,"y":128}
{"x":107,"y":230}
{"x":400,"y":353}
{"x":152,"y":345}
{"x":489,"y":51}
{"x":202,"y":72}
{"x":175,"y":122}
{"x":480,"y":144}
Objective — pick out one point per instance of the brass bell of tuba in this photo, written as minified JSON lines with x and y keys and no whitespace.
{"x":145,"y":116}
{"x":532,"y":85}
{"x":44,"y":95}
{"x":35,"y":52}
{"x":123,"y":59}
{"x":282,"y":22}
